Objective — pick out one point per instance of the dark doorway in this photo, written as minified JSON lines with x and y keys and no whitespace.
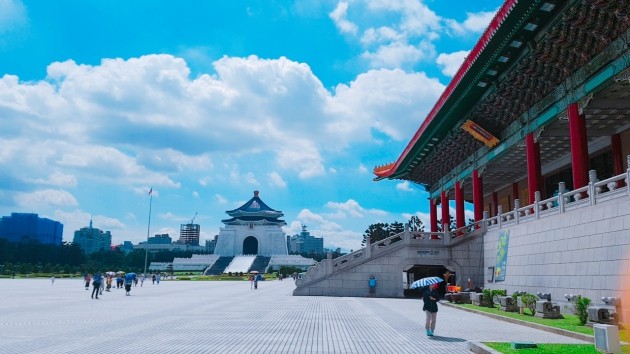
{"x":250,"y":245}
{"x":422,"y":271}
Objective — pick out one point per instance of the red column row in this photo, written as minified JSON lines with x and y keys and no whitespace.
{"x":579,"y":162}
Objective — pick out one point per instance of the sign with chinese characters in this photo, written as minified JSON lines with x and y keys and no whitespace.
{"x":502,"y":253}
{"x":429,"y":253}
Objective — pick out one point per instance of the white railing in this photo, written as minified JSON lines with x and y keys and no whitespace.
{"x":596,"y":191}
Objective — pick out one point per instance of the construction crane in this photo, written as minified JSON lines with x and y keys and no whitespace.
{"x":192,"y":221}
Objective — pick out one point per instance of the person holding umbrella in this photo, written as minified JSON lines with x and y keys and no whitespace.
{"x":430,"y":298}
{"x":430,"y":307}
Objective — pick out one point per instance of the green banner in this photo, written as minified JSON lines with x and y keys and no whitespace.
{"x":502,"y":253}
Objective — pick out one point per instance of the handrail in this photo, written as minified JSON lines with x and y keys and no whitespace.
{"x":585,"y":196}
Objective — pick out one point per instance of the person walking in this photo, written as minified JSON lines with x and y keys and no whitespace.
{"x":141,"y":280}
{"x":158,"y":277}
{"x":52,"y":280}
{"x":129,"y":278}
{"x":257,"y":278}
{"x":372,"y":285}
{"x":153,"y":278}
{"x":430,"y":308}
{"x":87,"y":279}
{"x":109,"y":282}
{"x":96,"y":284}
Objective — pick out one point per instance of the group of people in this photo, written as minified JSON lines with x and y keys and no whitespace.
{"x":100,"y":283}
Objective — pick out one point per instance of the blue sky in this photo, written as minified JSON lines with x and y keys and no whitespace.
{"x":206,"y":102}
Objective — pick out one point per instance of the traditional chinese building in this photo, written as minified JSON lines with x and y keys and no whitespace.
{"x":534,"y":132}
{"x":252,"y":229}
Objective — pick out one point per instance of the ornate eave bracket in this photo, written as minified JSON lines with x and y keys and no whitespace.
{"x":583,"y":103}
{"x":624,"y":76}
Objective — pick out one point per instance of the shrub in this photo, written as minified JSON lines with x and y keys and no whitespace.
{"x":580,"y":308}
{"x":490,"y":296}
{"x":529,"y":300}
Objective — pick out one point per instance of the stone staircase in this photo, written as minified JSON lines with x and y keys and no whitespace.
{"x":219,"y":266}
{"x":260,"y":264}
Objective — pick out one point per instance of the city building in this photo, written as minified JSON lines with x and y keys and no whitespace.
{"x":160,"y":239}
{"x":189,"y":234}
{"x":304,"y":243}
{"x":92,"y":240}
{"x":211,"y":244}
{"x":27,"y":227}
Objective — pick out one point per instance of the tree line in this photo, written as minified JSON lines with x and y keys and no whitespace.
{"x":380,"y":231}
{"x":69,"y":258}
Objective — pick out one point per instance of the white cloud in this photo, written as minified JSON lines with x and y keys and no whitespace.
{"x":450,"y":62}
{"x":475,"y":22}
{"x":339,"y":14}
{"x":220,"y":199}
{"x":12,"y":15}
{"x":334,"y":234}
{"x":195,"y":194}
{"x":376,"y":97}
{"x":276,"y":180}
{"x":352,"y":208}
{"x":397,"y":54}
{"x":46,"y":197}
{"x":57,"y":179}
{"x":77,"y":219}
{"x":404,"y":186}
{"x":363,"y":169}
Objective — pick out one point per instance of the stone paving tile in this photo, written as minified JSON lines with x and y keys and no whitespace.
{"x":229,"y":317}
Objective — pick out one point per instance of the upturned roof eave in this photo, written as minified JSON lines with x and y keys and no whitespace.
{"x":392,"y":169}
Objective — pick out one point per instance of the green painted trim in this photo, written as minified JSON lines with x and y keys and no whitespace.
{"x":587,"y":86}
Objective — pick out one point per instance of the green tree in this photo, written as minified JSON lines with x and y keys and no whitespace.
{"x":376,"y":232}
{"x":415,"y":224}
{"x":395,"y":228}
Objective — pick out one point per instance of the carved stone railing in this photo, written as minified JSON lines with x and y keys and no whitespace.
{"x":596,"y":191}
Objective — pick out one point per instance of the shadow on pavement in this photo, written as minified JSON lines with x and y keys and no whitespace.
{"x":448,"y":339}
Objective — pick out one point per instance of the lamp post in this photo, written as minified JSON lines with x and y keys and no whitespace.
{"x":146,"y":246}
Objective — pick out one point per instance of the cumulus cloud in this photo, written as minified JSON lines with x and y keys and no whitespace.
{"x":339,"y":16}
{"x":334,"y":234}
{"x":351,"y":208}
{"x":46,"y":197}
{"x":406,"y":41}
{"x":475,"y":22}
{"x":450,"y":62}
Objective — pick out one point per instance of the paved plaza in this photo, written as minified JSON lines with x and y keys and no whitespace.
{"x":229,"y":317}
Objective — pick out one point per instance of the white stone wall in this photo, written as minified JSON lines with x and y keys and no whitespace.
{"x":387,"y":268}
{"x":271,"y":240}
{"x":584,"y":251}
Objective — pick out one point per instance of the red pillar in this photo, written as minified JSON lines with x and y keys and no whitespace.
{"x":495,"y":202}
{"x":579,"y":148}
{"x":615,"y":142}
{"x":433,"y":215}
{"x":459,"y":205}
{"x":446,"y":218}
{"x":477,"y":185}
{"x":533,"y":166}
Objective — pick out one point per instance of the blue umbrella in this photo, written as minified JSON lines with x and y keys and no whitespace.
{"x":425,"y":282}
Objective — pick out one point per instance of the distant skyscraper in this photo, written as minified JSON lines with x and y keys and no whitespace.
{"x":92,"y":240}
{"x":25,"y":227}
{"x":304,"y":243}
{"x":189,"y":234}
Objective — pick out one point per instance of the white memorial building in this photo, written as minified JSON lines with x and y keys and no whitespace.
{"x":253,"y":229}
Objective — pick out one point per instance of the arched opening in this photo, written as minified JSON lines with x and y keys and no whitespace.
{"x":250,"y":245}
{"x":418,"y":271}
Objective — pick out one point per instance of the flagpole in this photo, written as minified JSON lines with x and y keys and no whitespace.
{"x":146,"y":246}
